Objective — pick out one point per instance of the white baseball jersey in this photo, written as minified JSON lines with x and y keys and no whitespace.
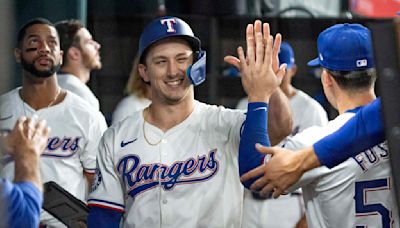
{"x":287,"y":210}
{"x":358,"y":192}
{"x":127,"y":106}
{"x":76,"y":130}
{"x":190,"y":178}
{"x":73,"y":84}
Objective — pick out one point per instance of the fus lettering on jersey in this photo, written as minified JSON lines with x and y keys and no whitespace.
{"x":372,"y":157}
{"x":142,"y":177}
{"x":68,"y":146}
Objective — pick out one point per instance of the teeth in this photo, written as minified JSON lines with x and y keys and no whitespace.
{"x":174,"y":83}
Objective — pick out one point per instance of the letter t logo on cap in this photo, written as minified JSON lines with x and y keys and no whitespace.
{"x":170,"y":24}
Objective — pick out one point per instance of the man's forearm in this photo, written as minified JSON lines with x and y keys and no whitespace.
{"x":279,"y":117}
{"x":27,"y":169}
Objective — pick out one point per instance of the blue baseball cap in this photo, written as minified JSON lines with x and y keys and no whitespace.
{"x":344,"y":47}
{"x":286,"y":55}
{"x":164,"y":27}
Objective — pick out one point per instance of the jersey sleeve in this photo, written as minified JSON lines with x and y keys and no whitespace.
{"x":24,"y":202}
{"x":107,"y":191}
{"x":88,"y":155}
{"x":361,"y":132}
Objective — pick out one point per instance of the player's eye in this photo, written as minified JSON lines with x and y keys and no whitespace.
{"x":182,"y":59}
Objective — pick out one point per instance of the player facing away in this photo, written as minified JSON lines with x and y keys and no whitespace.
{"x":357,"y":192}
{"x":175,"y":164}
{"x":70,"y":155}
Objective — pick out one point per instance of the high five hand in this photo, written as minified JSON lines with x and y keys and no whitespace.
{"x":260,"y":70}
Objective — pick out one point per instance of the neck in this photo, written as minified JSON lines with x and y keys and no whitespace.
{"x":80,"y":72}
{"x":353,"y":100}
{"x":40,"y":93}
{"x":167,"y":116}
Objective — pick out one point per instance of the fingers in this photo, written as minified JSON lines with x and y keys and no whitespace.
{"x":232,"y":60}
{"x":281,"y":73}
{"x":264,"y":149}
{"x":267,"y":189}
{"x":275,"y":52}
{"x":242,"y":59}
{"x":277,"y":193}
{"x":250,"y":43}
{"x":259,"y":44}
{"x":266,"y":32}
{"x":252,"y":174}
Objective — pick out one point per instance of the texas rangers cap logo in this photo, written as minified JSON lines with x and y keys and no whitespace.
{"x":170,"y":22}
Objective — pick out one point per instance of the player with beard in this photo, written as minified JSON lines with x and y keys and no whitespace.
{"x":81,"y":56}
{"x":69,"y":157}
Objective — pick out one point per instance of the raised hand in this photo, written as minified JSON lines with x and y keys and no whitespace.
{"x":260,"y":70}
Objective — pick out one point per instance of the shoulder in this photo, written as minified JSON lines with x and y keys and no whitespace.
{"x":80,"y":107}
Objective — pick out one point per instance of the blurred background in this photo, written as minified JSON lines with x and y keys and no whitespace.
{"x":220,"y":24}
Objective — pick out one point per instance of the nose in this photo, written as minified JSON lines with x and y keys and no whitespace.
{"x":97,"y":45}
{"x":173,"y":68}
{"x":44,"y":47}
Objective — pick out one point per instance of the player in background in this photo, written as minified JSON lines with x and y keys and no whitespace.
{"x":361,"y":184}
{"x":22,"y":200}
{"x":175,"y":163}
{"x":286,"y":211}
{"x":81,"y":55}
{"x":139,"y":95}
{"x":70,"y":155}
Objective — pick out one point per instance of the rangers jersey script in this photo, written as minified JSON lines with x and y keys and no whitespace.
{"x":76,"y":130}
{"x":185,"y":177}
{"x":357,"y":193}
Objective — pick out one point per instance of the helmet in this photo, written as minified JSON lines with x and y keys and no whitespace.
{"x":169,"y":26}
{"x":165,"y":27}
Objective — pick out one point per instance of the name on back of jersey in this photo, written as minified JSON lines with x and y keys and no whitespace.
{"x":372,"y":157}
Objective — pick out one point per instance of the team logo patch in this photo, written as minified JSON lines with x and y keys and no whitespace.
{"x":142,"y":177}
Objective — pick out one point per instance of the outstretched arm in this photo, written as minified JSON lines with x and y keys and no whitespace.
{"x":361,"y":132}
{"x":260,"y":81}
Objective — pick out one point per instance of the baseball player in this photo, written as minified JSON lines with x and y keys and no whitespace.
{"x":76,"y":129}
{"x":80,"y":56}
{"x":358,"y":192}
{"x":307,"y":112}
{"x":175,"y":163}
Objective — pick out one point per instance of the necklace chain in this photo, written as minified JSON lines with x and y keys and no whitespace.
{"x":144,"y":131}
{"x":145,"y":137}
{"x":50,"y":103}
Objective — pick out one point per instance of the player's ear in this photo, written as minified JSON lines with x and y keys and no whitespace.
{"x":17,"y":55}
{"x":143,"y":72}
{"x":326,"y":78}
{"x":73,"y":53}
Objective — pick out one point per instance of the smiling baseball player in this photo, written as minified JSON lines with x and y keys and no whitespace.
{"x":175,"y":164}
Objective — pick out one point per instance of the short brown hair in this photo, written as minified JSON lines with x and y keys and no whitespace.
{"x":67,"y":31}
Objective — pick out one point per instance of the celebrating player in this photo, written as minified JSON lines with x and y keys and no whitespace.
{"x":175,"y":163}
{"x":70,"y":155}
{"x":361,"y":184}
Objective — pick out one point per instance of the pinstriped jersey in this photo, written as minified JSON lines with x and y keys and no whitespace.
{"x":357,"y":193}
{"x":188,"y":177}
{"x":76,"y":130}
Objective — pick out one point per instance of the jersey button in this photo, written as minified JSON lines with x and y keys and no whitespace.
{"x":164,"y":141}
{"x":165,"y":201}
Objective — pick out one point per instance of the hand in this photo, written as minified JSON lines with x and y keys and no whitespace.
{"x":280,"y":172}
{"x":260,"y":70}
{"x":29,"y":136}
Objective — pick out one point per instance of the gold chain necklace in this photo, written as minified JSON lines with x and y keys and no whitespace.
{"x":144,"y":134}
{"x":50,"y":103}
